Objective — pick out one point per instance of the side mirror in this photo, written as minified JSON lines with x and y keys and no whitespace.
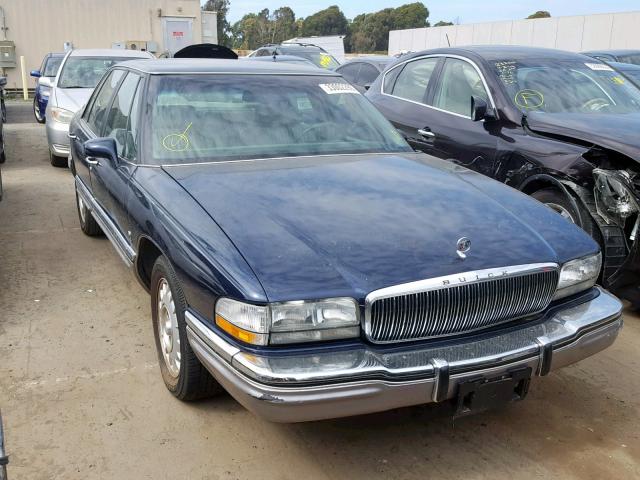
{"x":104,"y":148}
{"x":480,"y":110}
{"x":45,"y":82}
{"x":35,"y":73}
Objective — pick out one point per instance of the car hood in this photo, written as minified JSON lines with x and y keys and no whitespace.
{"x":72,"y":99}
{"x":347,"y":225}
{"x":615,"y":132}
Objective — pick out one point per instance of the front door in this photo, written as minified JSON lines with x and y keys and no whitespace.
{"x":455,"y":136}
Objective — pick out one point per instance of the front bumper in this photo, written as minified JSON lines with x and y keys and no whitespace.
{"x":57,"y":136}
{"x":339,"y":383}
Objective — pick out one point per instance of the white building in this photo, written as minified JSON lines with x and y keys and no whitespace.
{"x":576,"y":33}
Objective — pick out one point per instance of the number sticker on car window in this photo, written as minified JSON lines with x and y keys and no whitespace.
{"x":333,"y":88}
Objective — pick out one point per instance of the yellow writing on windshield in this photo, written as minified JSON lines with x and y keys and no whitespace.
{"x":177,"y":142}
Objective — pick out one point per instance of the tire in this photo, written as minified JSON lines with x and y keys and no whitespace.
{"x":188,"y":380}
{"x":3,"y":109}
{"x":36,"y":112}
{"x":558,"y":201}
{"x":88,"y":224}
{"x":58,"y":162}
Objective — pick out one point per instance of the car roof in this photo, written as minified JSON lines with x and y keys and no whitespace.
{"x":613,"y":52}
{"x":624,"y":66}
{"x":109,"y":52}
{"x":213,"y":66}
{"x":280,"y":58}
{"x":370,"y":59}
{"x":502,"y":52}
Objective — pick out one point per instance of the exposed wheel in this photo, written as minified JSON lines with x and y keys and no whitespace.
{"x":558,"y":201}
{"x":182,"y":372}
{"x":88,"y":224}
{"x":36,"y":112}
{"x":3,"y":110}
{"x":56,"y":161}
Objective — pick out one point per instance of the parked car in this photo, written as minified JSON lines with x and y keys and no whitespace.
{"x":79,"y":73}
{"x":282,"y":59}
{"x":559,"y":126}
{"x":622,"y":56}
{"x":317,"y":55}
{"x":362,"y":71}
{"x":45,"y":76}
{"x":3,"y":155}
{"x":299,"y":250}
{"x":206,"y":50}
{"x":629,"y":70}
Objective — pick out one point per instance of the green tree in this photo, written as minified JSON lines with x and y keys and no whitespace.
{"x":222,"y":7}
{"x":284,"y":25}
{"x":330,"y":21}
{"x":442,"y":23}
{"x":539,"y":14}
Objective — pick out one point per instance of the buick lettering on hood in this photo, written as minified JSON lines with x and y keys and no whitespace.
{"x":301,"y":256}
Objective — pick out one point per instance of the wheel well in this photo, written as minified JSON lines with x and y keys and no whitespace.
{"x":539,"y":184}
{"x":147,"y":255}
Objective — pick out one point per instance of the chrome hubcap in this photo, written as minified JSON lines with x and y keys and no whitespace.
{"x":82,"y":209}
{"x":564,"y":213}
{"x":168,"y":332}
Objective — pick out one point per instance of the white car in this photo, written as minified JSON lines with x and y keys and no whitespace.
{"x":79,"y":73}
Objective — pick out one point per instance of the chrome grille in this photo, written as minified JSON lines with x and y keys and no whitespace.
{"x":458,"y":303}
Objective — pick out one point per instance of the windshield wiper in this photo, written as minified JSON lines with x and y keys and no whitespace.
{"x":74,"y":86}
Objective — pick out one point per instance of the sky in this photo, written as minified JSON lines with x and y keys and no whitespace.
{"x":467,"y":11}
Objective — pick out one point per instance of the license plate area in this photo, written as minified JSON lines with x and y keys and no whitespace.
{"x":483,"y":394}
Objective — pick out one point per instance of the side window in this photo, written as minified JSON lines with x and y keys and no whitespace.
{"x":368,"y":74}
{"x":414,"y":79}
{"x":118,"y":125}
{"x":264,"y":53}
{"x":350,"y":72}
{"x":458,"y":82}
{"x":96,"y":115}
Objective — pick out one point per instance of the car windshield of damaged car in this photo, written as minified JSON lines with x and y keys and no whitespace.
{"x":208,"y":118}
{"x":552,"y":86}
{"x":85,"y":72}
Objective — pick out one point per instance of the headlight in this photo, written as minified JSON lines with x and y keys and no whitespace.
{"x":289,"y":322}
{"x":578,"y":275}
{"x":615,"y":196}
{"x":61,"y":115}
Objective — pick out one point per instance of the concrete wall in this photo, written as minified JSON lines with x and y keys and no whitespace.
{"x":41,"y":26}
{"x":578,"y":33}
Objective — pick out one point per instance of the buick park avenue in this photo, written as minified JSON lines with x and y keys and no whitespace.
{"x":559,"y":126}
{"x":301,"y":256}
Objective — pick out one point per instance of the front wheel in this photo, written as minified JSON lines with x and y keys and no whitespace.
{"x":36,"y":112}
{"x":88,"y":224}
{"x":182,"y":372}
{"x":574,"y":212}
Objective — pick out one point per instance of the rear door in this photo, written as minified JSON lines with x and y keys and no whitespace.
{"x":455,"y":136}
{"x":110,"y":180}
{"x":404,"y":99}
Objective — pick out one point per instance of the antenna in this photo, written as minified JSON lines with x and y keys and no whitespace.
{"x":448,"y":42}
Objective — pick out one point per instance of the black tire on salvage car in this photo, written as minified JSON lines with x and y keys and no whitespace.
{"x":88,"y":224}
{"x":183,"y":374}
{"x":58,"y":162}
{"x":557,"y":200}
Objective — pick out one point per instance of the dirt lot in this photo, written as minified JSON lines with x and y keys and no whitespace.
{"x":82,"y":396}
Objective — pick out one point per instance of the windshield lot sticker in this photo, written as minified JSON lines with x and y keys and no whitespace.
{"x":177,"y":142}
{"x":333,"y":88}
{"x":507,"y":72}
{"x":599,"y":66}
{"x":617,"y":80}
{"x":530,"y":99}
{"x":325,"y":60}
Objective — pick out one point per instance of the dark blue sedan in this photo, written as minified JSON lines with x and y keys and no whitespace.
{"x":301,"y":256}
{"x":45,"y":76}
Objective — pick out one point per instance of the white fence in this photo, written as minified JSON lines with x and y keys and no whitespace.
{"x":579,"y":33}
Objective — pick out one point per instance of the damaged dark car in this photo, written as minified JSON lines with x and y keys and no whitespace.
{"x":560,"y":126}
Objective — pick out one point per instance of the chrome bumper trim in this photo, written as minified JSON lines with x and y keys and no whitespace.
{"x":342,"y":383}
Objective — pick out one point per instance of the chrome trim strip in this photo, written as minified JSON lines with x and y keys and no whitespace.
{"x":119,"y":242}
{"x":439,"y":55}
{"x":447,"y":281}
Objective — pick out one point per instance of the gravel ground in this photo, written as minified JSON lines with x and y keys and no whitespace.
{"x":82,"y":398}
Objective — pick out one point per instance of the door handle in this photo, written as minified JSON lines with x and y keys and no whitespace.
{"x":93,"y":161}
{"x":72,"y":136}
{"x":426,"y":133}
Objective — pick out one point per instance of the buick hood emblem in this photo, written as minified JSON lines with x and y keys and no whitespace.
{"x":463,"y":246}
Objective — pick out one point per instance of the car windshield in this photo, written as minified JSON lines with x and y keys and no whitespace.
{"x":578,"y":86}
{"x":209,"y":118}
{"x":633,"y":58}
{"x":85,"y":72}
{"x":51,"y":66}
{"x":317,"y":57}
